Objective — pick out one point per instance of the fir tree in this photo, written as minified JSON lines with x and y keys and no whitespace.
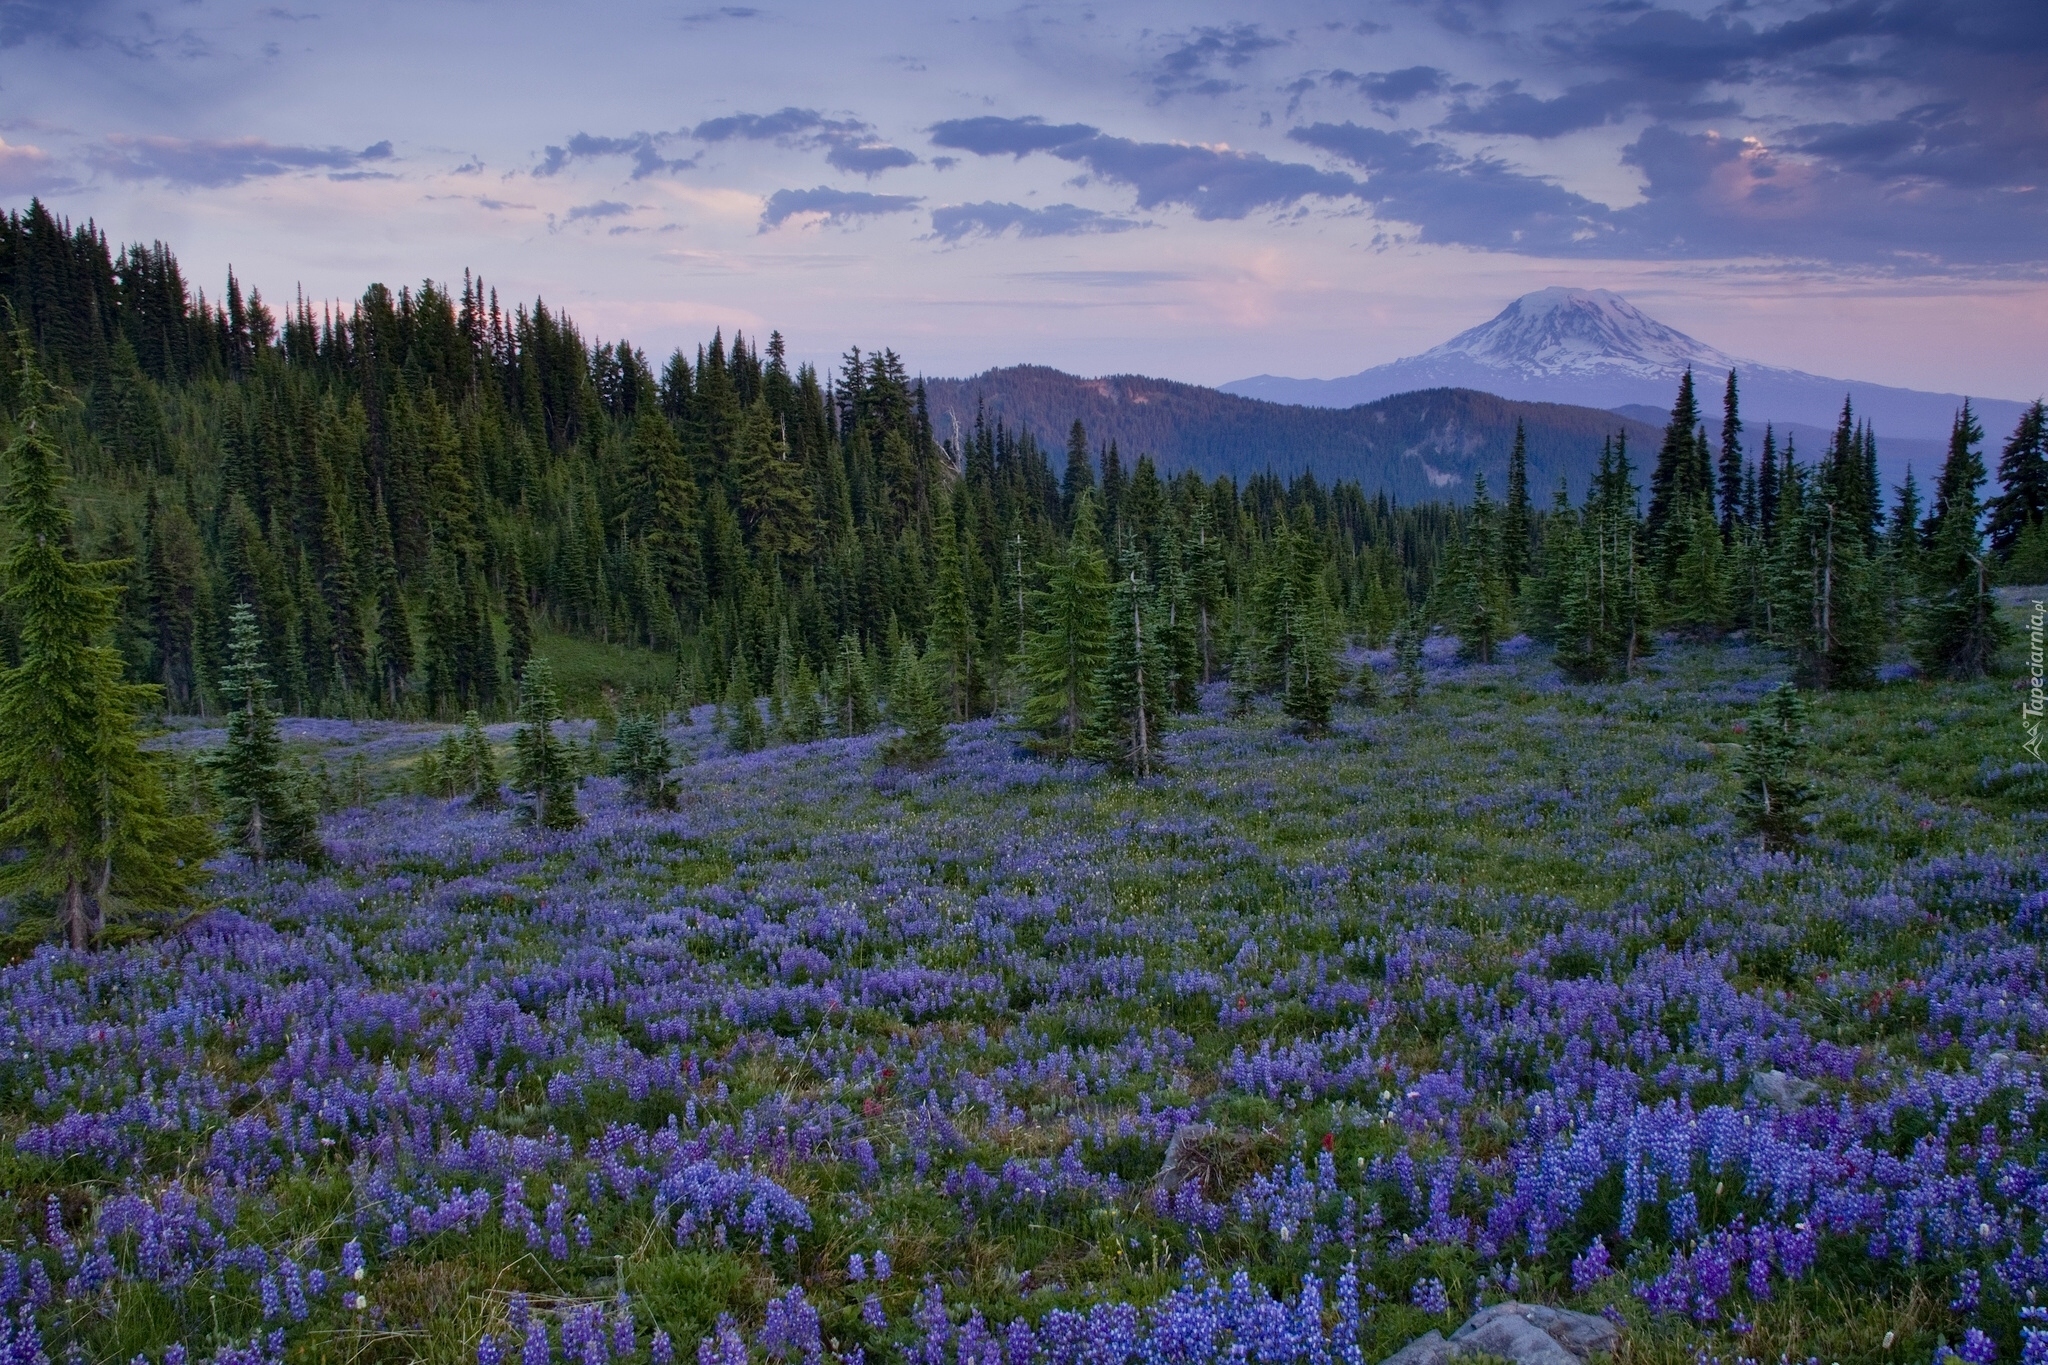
{"x":518,"y":617}
{"x":2023,"y":482}
{"x":1130,"y":687}
{"x":1476,"y":606}
{"x":952,"y":620}
{"x":85,"y":807}
{"x":1603,"y":606}
{"x":853,"y":698}
{"x":1080,"y":474}
{"x":916,"y":706}
{"x":1828,"y":608}
{"x":1365,"y":688}
{"x":1958,"y":631}
{"x":267,"y":816}
{"x":479,"y":765}
{"x":1515,"y":519}
{"x":1698,"y":598}
{"x":1309,"y":688}
{"x":1408,"y":659}
{"x":1767,"y":486}
{"x":803,"y":718}
{"x":1244,"y":678}
{"x":1179,"y":639}
{"x":546,"y":771}
{"x":1069,"y":637}
{"x":642,"y":757}
{"x":1731,"y":462}
{"x":1772,"y":794}
{"x":1674,"y":481}
{"x":745,"y":732}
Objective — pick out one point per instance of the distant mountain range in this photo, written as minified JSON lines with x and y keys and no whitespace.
{"x":1414,"y":446}
{"x":1593,"y":348}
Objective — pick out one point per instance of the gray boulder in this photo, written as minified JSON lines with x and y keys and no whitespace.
{"x":1427,"y":1349}
{"x":1779,"y":1088}
{"x":1533,"y":1334}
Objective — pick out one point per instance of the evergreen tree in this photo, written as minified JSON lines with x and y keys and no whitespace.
{"x":1698,"y":601}
{"x":1772,"y":793}
{"x":745,"y":732}
{"x":642,"y":757}
{"x":1127,"y":722}
{"x":1828,"y":602}
{"x":1179,"y":640}
{"x":1603,"y":600}
{"x":267,"y":816}
{"x":1476,"y":589}
{"x":1244,"y":678}
{"x":1068,"y":642}
{"x":546,"y":770}
{"x":1674,"y":481}
{"x":915,"y":704}
{"x":1731,"y":462}
{"x":518,"y":617}
{"x":2023,"y":482}
{"x":1767,"y":486}
{"x":1958,"y":631}
{"x":1309,"y":687}
{"x":479,"y":765}
{"x":1080,"y":474}
{"x":803,"y":719}
{"x":1515,"y":519}
{"x":1408,"y":659}
{"x":1365,"y":688}
{"x":952,"y":621}
{"x":85,"y":807}
{"x":853,"y":698}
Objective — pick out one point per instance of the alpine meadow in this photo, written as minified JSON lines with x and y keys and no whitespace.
{"x":516,"y":849}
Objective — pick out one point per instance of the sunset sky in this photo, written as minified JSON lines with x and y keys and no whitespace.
{"x":1191,"y":190}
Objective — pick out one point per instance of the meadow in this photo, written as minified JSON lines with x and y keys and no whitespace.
{"x":1289,"y":1054}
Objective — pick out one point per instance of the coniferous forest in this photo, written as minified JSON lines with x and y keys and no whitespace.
{"x":797,"y":885}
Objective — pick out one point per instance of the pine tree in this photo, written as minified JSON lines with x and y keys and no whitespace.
{"x":1408,"y":659}
{"x":745,"y":732}
{"x":853,"y":699}
{"x":1958,"y":631}
{"x":546,"y":770}
{"x":1515,"y":519}
{"x":642,"y":757}
{"x":1731,"y":462}
{"x":1772,"y":793}
{"x":915,"y":704}
{"x":1244,"y":678}
{"x":85,"y":806}
{"x":1698,"y":598}
{"x":1130,"y":687}
{"x":2023,"y":481}
{"x":479,"y":765}
{"x":1068,"y":641}
{"x":267,"y":816}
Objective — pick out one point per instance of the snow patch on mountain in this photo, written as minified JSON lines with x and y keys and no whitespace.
{"x":1587,"y":332}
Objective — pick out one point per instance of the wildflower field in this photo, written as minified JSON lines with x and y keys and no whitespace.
{"x":1291,"y":1053}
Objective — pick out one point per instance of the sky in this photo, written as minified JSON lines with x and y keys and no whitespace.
{"x":1195,"y":190}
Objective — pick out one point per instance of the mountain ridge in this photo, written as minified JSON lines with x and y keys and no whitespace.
{"x":1414,"y":447}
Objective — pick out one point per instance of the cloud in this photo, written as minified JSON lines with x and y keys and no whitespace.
{"x":1106,"y":279}
{"x":712,"y":16}
{"x":831,"y":205}
{"x":213,"y":164}
{"x":26,"y":169}
{"x":1508,"y":109}
{"x":1395,"y":88}
{"x":644,"y":148}
{"x":1215,"y":182}
{"x":954,"y":222}
{"x":603,"y":208}
{"x":1190,"y":68}
{"x":1019,"y":137}
{"x":849,"y":144}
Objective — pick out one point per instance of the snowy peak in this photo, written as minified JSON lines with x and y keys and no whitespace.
{"x":1580,"y":332}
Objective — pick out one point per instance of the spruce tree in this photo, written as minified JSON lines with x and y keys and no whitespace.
{"x":916,"y":705}
{"x":1131,"y":685}
{"x":1958,"y":632}
{"x":479,"y":764}
{"x":546,"y":770}
{"x":1244,"y":678}
{"x":1772,"y":792}
{"x":1069,"y":637}
{"x":642,"y":757}
{"x":84,"y":806}
{"x":1731,"y":462}
{"x":267,"y":816}
{"x":1514,"y":517}
{"x":2022,"y":501}
{"x":745,"y":732}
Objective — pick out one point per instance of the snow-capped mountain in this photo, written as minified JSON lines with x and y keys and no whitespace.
{"x":1593,"y":348}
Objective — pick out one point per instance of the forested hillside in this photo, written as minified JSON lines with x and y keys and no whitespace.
{"x":412,"y":491}
{"x":1416,"y":447}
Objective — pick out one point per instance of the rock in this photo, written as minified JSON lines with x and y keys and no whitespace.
{"x":1186,"y":1158}
{"x":1428,"y":1349}
{"x":1787,"y":1092}
{"x":1510,"y":1330}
